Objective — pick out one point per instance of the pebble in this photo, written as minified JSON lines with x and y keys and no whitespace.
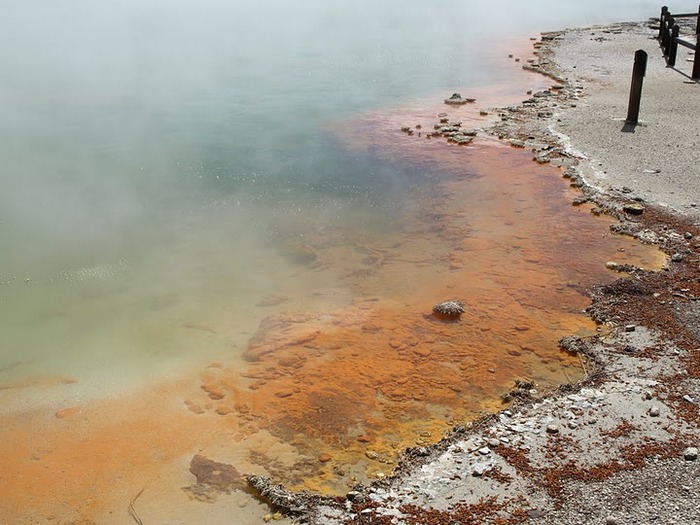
{"x":493,"y":443}
{"x":552,"y":429}
{"x":676,"y":257}
{"x":690,"y":454}
{"x":572,"y":425}
{"x":610,"y":520}
{"x":688,"y":399}
{"x":633,"y":208}
{"x":654,"y":412}
{"x":480,"y":469}
{"x":630,"y":328}
{"x":484,"y":451}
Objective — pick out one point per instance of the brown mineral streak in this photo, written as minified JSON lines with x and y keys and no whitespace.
{"x":367,"y":379}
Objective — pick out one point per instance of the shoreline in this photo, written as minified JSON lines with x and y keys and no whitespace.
{"x":621,"y":443}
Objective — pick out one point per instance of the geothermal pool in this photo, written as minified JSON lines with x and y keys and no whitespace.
{"x":222,"y":244}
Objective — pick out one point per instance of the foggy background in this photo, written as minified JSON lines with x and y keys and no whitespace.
{"x":158,"y":156}
{"x":115,"y":116}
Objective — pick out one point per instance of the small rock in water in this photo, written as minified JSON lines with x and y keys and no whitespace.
{"x":449,"y":309}
{"x":457,"y":99}
{"x":690,"y":453}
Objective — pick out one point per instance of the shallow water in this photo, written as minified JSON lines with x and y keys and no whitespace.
{"x":219,"y":243}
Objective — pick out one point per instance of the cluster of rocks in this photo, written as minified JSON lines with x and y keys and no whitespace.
{"x":451,"y":130}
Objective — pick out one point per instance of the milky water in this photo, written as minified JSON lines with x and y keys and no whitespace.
{"x":156,"y":152}
{"x":173,"y":173}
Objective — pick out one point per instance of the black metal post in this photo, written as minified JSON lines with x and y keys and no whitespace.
{"x":662,"y":21}
{"x":673,"y":51}
{"x":697,"y":26}
{"x":638,"y":72}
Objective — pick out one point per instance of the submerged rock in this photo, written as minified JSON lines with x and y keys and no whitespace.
{"x":461,"y":139}
{"x":213,"y":478}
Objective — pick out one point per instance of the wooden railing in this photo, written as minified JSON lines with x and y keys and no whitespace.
{"x":669,"y":38}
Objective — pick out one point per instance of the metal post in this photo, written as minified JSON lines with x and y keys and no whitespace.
{"x":697,"y":26}
{"x":673,"y":52}
{"x":638,"y":72}
{"x":662,"y":21}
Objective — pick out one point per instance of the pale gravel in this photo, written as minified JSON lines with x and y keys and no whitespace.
{"x":667,"y":138}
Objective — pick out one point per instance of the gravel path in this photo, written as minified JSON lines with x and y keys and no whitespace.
{"x":658,"y":161}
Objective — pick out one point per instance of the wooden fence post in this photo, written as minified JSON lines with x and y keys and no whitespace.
{"x":638,"y":72}
{"x":662,"y":21}
{"x":666,"y":37}
{"x":695,"y":75}
{"x":673,"y":52}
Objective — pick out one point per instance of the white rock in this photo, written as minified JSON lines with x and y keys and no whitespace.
{"x":480,"y":469}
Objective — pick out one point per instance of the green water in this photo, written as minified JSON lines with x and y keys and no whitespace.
{"x":161,"y":160}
